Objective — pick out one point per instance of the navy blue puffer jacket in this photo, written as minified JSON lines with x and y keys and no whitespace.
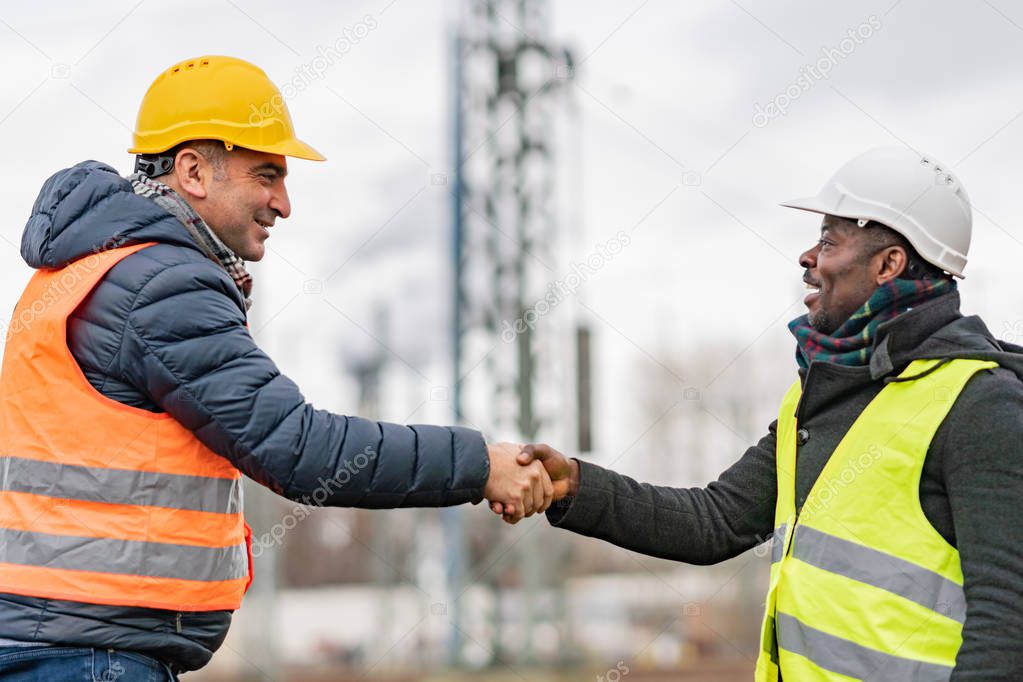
{"x":165,"y":331}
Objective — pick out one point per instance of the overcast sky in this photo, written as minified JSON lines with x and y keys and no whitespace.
{"x":669,"y":147}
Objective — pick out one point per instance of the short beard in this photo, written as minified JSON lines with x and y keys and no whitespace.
{"x":822,"y":322}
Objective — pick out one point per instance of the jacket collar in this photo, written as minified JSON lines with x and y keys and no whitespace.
{"x":898,"y":340}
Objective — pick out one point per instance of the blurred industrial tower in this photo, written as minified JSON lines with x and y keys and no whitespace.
{"x":520,"y":364}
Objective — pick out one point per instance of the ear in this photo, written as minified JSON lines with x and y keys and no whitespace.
{"x":889,"y":264}
{"x":192,"y":172}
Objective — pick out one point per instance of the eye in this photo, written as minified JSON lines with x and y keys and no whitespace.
{"x":823,"y":242}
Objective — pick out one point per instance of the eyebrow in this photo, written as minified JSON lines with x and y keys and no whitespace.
{"x":281,"y":171}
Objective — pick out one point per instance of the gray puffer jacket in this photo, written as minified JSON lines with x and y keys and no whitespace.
{"x":165,"y":331}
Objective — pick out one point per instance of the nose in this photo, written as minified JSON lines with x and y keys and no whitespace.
{"x":279,"y":200}
{"x":808,"y":259}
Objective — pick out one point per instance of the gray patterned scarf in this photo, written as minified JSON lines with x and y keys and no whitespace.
{"x":209,"y":242}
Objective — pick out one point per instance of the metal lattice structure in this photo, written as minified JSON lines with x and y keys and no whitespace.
{"x":505,"y":230}
{"x":513,"y":377}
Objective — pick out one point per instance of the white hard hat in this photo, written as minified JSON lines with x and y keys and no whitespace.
{"x":913,"y":194}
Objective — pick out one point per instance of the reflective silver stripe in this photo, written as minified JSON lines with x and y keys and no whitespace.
{"x":870,"y":566}
{"x":120,"y":486}
{"x":848,"y":658}
{"x":778,"y":543}
{"x":127,"y":557}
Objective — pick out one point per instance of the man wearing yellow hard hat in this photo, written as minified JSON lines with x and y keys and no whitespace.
{"x":133,"y":398}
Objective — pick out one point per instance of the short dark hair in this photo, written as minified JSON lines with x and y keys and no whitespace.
{"x":880,"y":236}
{"x":155,"y":165}
{"x":214,"y":150}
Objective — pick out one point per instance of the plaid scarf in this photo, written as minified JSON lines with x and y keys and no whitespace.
{"x":208,"y":241}
{"x":852,"y":343}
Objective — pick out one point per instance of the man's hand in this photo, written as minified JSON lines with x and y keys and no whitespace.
{"x":563,"y":472}
{"x":520,"y":489}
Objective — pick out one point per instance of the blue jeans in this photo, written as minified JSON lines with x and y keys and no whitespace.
{"x":76,"y":664}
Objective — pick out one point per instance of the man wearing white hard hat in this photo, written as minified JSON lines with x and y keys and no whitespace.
{"x":890,"y":484}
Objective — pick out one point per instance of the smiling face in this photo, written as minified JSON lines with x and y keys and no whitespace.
{"x":240,"y":194}
{"x":844,"y":268}
{"x":245,"y":203}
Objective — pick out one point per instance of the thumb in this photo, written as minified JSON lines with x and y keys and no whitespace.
{"x":544,"y":453}
{"x":526,"y":455}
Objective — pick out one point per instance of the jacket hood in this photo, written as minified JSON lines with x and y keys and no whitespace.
{"x":937,"y":330}
{"x":90,"y":208}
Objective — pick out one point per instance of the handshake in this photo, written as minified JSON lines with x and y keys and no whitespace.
{"x":527,"y":479}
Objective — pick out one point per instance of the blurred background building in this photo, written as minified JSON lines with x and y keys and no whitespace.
{"x":551,"y":221}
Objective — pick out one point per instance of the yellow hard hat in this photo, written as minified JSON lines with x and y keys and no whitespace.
{"x":217,"y":98}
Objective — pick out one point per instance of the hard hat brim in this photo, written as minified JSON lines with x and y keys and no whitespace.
{"x":812,"y":204}
{"x":824,"y":207}
{"x":294,"y":148}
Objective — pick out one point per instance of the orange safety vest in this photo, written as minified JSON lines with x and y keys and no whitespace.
{"x":101,"y":502}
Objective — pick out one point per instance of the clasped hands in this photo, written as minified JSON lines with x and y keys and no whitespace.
{"x":527,"y":479}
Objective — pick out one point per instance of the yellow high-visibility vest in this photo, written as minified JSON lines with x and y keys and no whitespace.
{"x":862,"y":586}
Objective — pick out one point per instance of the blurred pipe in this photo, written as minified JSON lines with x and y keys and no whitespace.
{"x":452,"y":518}
{"x":584,"y":400}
